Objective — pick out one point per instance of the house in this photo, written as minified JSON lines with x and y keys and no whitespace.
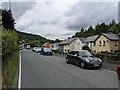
{"x":90,"y":41}
{"x":47,"y":45}
{"x":103,"y":42}
{"x":71,"y":44}
{"x":55,"y":46}
{"x":119,"y":41}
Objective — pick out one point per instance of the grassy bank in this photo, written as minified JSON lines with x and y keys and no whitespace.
{"x":10,"y":57}
{"x":9,"y":68}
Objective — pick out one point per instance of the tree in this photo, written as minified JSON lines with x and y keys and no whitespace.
{"x":113,"y":22}
{"x":86,"y":48}
{"x":82,"y":30}
{"x":7,"y":20}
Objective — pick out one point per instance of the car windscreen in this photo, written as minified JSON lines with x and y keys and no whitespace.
{"x":85,"y":54}
{"x":47,"y":50}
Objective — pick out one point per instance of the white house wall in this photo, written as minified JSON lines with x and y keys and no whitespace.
{"x":78,"y":45}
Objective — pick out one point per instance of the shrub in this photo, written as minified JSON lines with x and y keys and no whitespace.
{"x":9,"y":42}
{"x":86,"y":48}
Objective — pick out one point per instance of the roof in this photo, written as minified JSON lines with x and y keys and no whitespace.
{"x":82,"y":39}
{"x":67,"y":41}
{"x":91,"y":38}
{"x":111,"y":36}
{"x":45,"y":44}
{"x":118,"y":34}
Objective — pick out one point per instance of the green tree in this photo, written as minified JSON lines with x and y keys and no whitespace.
{"x":7,"y":20}
{"x":86,"y":48}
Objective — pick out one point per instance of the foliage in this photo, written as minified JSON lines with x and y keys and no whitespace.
{"x":9,"y":42}
{"x":86,"y":48}
{"x":32,"y":39}
{"x":7,"y":19}
{"x":98,"y":29}
{"x":9,"y":69}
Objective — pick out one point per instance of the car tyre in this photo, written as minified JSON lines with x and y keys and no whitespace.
{"x":119,"y":75}
{"x":82,"y":65}
{"x":67,"y":60}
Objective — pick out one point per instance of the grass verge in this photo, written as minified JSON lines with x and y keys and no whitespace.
{"x":9,"y":68}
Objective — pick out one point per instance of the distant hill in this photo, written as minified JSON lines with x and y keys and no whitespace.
{"x":32,"y":39}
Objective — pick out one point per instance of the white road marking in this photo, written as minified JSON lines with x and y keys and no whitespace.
{"x":19,"y":79}
{"x":109,"y":70}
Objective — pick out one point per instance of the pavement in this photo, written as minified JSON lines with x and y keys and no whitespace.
{"x":39,"y":71}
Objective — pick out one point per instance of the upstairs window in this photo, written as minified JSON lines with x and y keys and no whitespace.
{"x":100,"y":43}
{"x":103,"y":43}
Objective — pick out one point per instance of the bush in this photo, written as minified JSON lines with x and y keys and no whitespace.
{"x":86,"y":48}
{"x":9,"y":42}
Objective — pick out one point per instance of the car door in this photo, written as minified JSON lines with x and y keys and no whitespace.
{"x":76,"y":58}
{"x":69,"y":56}
{"x":73,"y":57}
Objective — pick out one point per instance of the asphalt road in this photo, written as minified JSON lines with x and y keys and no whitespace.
{"x":39,"y":71}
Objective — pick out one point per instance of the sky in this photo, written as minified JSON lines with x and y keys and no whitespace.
{"x":57,"y":19}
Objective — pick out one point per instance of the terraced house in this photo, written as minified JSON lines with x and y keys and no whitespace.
{"x":104,"y":42}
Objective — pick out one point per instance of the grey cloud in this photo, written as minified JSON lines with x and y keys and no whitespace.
{"x":84,"y":14}
{"x":49,"y":34}
{"x":67,"y":34}
{"x":49,"y":3}
{"x":54,"y":22}
{"x":42,"y":23}
{"x":19,"y":8}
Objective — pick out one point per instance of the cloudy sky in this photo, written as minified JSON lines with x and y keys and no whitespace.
{"x":55,"y":19}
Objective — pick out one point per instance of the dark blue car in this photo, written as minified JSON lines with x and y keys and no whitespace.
{"x":46,"y":51}
{"x":84,"y":59}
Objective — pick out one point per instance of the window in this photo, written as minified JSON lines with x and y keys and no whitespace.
{"x":111,"y":50}
{"x":94,"y":43}
{"x":74,"y":53}
{"x":94,"y":51}
{"x":103,"y":43}
{"x":116,"y":43}
{"x":68,"y":51}
{"x":100,"y":43}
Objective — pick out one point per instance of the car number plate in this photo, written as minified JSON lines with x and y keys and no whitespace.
{"x":96,"y":65}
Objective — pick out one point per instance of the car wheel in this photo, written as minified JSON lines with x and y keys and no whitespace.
{"x":67,"y":60}
{"x":119,"y":75}
{"x":82,"y":64}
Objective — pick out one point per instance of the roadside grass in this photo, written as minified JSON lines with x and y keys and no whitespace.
{"x":9,"y":69}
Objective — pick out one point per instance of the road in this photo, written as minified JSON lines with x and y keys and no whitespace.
{"x":39,"y":71}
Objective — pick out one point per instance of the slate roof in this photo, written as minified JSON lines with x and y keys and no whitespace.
{"x":111,"y":36}
{"x":118,"y":34}
{"x":83,"y":39}
{"x":67,"y":41}
{"x":91,"y":38}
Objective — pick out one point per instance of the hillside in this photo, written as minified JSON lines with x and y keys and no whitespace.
{"x":32,"y":39}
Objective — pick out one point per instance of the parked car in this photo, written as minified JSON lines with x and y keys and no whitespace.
{"x":33,"y":49}
{"x":28,"y":47}
{"x":46,"y":51}
{"x":84,"y":59}
{"x":37,"y":49}
{"x":118,"y":71}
